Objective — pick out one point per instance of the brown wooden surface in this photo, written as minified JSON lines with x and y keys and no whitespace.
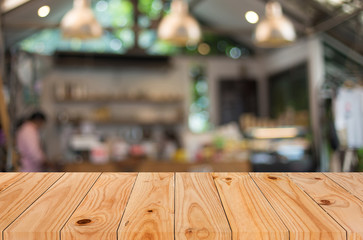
{"x":304,"y":218}
{"x":352,"y":182}
{"x":9,"y":178}
{"x":181,"y":206}
{"x":345,"y":208}
{"x":93,"y":218}
{"x":22,"y":194}
{"x":150,"y":211}
{"x":45,"y":217}
{"x":198,"y":211}
{"x":249,"y":213}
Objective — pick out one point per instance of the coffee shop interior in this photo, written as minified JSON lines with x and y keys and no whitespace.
{"x":181,"y":85}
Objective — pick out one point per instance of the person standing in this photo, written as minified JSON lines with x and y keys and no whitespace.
{"x":32,"y":157}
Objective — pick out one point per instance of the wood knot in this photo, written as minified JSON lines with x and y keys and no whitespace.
{"x":84,"y":221}
{"x":150,"y":210}
{"x":189,"y":232}
{"x":272,"y":178}
{"x":228,"y":180}
{"x":318,"y":178}
{"x":325,"y":202}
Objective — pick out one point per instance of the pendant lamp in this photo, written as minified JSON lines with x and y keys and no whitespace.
{"x":80,"y":22}
{"x":179,"y":27}
{"x":275,"y":30}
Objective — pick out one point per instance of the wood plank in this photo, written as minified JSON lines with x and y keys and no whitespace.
{"x":304,"y":218}
{"x":150,"y":211}
{"x":45,"y":218}
{"x":198,"y":211}
{"x":352,"y":182}
{"x":15,"y":199}
{"x":249,"y":213}
{"x":6,"y":179}
{"x":100,"y":213}
{"x":345,"y":208}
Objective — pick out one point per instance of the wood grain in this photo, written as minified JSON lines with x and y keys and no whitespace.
{"x":15,"y":199}
{"x":304,"y":218}
{"x":249,"y":213}
{"x":181,"y":206}
{"x":150,"y":211}
{"x":6,"y":179}
{"x":45,"y":218}
{"x":352,"y":182}
{"x":345,"y":208}
{"x":198,"y":211}
{"x":99,"y":214}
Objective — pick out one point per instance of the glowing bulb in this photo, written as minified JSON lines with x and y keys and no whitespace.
{"x":43,"y":11}
{"x":80,"y":22}
{"x":179,"y":27}
{"x":251,"y":17}
{"x":203,"y":48}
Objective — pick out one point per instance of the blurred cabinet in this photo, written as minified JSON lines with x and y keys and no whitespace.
{"x":289,"y":89}
{"x":237,"y":97}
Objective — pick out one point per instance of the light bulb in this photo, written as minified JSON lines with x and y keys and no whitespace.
{"x":43,"y":11}
{"x":251,"y":17}
{"x":179,"y":28}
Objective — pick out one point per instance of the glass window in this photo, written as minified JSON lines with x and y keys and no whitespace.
{"x":199,"y":119}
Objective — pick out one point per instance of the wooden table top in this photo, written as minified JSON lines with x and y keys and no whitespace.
{"x":181,"y":206}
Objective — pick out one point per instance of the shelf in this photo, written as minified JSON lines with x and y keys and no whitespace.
{"x":125,"y":122}
{"x":119,"y":100}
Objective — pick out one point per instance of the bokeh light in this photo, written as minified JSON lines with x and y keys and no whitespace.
{"x":203,"y":48}
{"x":43,"y":11}
{"x":251,"y":17}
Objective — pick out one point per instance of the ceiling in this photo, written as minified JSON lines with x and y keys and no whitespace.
{"x":217,"y":16}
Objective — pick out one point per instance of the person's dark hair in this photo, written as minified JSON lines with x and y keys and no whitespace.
{"x":38,"y":116}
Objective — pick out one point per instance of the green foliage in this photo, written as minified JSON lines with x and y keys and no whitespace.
{"x":151,"y":8}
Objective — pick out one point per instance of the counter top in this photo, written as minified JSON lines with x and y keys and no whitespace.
{"x":181,"y":206}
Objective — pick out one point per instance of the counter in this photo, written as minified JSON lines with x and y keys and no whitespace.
{"x":181,"y":205}
{"x":158,"y":166}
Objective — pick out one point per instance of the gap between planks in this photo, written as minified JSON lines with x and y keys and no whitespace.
{"x":175,"y":189}
{"x":8,"y":179}
{"x":45,"y":217}
{"x":31,"y":201}
{"x":341,"y":205}
{"x":351,"y":182}
{"x":128,"y":200}
{"x":249,"y":213}
{"x":303,"y":217}
{"x":60,"y":231}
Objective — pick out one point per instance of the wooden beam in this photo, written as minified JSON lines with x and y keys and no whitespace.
{"x":334,"y":21}
{"x":4,"y":114}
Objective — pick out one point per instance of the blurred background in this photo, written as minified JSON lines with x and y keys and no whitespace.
{"x":177,"y":85}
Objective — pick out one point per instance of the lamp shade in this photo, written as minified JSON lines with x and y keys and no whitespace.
{"x":80,"y":22}
{"x":275,"y":30}
{"x":179,"y":28}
